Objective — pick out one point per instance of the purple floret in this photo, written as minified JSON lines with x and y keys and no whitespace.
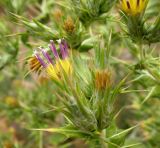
{"x":63,"y":48}
{"x":53,"y":48}
{"x":46,"y":55}
{"x":40,"y":59}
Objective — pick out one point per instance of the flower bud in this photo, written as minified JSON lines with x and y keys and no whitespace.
{"x":69,"y":26}
{"x":57,"y":14}
{"x":102,"y":79}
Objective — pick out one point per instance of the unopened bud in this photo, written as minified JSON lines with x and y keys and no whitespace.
{"x":69,"y":25}
{"x":102,"y":79}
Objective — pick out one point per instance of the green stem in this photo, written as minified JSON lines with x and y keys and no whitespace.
{"x":40,"y":139}
{"x":103,"y":135}
{"x":142,"y":55}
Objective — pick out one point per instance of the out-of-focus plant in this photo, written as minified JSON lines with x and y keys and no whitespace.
{"x":15,"y":6}
{"x":9,"y":49}
{"x":88,"y":11}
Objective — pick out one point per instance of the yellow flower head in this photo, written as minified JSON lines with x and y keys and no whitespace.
{"x":133,"y":7}
{"x":61,"y":63}
{"x":56,"y":71}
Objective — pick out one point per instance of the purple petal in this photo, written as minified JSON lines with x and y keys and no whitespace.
{"x":53,"y":48}
{"x":40,"y":59}
{"x":65,"y":46}
{"x":63,"y":53}
{"x":46,"y":55}
{"x":64,"y":43}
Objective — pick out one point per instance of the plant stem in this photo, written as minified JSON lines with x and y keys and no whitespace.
{"x":103,"y":134}
{"x":41,"y":139}
{"x":142,"y":56}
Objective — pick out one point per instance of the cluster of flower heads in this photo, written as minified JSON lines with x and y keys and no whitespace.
{"x":56,"y":63}
{"x":133,"y":7}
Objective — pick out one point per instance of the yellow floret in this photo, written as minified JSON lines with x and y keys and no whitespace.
{"x":56,"y":71}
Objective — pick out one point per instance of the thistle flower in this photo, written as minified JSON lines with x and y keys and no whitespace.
{"x":133,"y":7}
{"x":55,"y":68}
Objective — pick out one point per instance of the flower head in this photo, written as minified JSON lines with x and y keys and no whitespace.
{"x":133,"y":7}
{"x":57,"y":63}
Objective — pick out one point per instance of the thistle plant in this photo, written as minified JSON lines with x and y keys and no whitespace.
{"x":88,"y":102}
{"x":139,"y":31}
